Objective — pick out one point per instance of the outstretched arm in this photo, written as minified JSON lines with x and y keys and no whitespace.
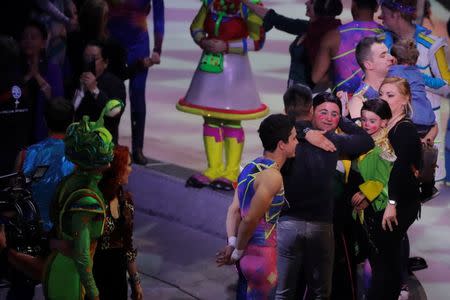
{"x":272,"y":19}
{"x":256,"y":34}
{"x":355,"y":141}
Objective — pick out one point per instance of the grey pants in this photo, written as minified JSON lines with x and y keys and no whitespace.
{"x":306,"y":247}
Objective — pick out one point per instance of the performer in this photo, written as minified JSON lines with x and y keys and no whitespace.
{"x":370,"y":201}
{"x":128,"y":24}
{"x":223,"y":90}
{"x":398,"y":18}
{"x":337,"y":49}
{"x":375,"y":165}
{"x":115,"y":253}
{"x":253,"y":214}
{"x":78,"y":211}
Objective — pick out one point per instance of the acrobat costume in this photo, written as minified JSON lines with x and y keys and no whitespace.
{"x":432,"y":61}
{"x":78,"y":211}
{"x":346,"y":71}
{"x":222,"y":89}
{"x":258,"y":266}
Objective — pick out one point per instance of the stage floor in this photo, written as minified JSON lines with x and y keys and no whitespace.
{"x":176,"y":137}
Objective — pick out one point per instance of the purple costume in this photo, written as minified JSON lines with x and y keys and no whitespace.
{"x":258,"y":267}
{"x":346,"y":71}
{"x":128,"y":24}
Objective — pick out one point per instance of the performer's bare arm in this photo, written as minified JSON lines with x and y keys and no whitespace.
{"x":328,"y":48}
{"x":267,"y":184}
{"x":355,"y":105}
{"x":233,"y":216}
{"x":232,"y":224}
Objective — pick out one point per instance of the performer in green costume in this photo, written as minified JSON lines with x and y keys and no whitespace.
{"x":78,"y":210}
{"x":374,"y":166}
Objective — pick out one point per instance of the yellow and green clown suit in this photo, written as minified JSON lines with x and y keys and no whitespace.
{"x":222,"y":89}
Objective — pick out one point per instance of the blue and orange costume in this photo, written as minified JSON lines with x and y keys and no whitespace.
{"x":258,"y":266}
{"x":432,"y":61}
{"x":222,"y":89}
{"x":128,"y":24}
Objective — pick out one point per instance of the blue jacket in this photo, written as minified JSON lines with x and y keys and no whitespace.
{"x":422,"y":111}
{"x":49,"y":156}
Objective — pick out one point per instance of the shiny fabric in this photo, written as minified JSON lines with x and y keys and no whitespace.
{"x":258,"y":270}
{"x":432,"y":61}
{"x":49,"y":154}
{"x":265,"y":233}
{"x":366,"y":91}
{"x":232,"y":92}
{"x":347,"y":73}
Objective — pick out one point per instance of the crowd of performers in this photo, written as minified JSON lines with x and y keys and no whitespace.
{"x":339,"y":183}
{"x":87,"y":215}
{"x":64,"y":62}
{"x":301,"y":224}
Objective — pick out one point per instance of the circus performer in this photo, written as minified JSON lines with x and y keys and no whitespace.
{"x":222,"y":89}
{"x":252,"y":216}
{"x":116,"y":243}
{"x":127,"y":23}
{"x":78,"y":210}
{"x":398,"y":18}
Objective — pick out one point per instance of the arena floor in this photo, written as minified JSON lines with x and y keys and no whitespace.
{"x":175,"y":137}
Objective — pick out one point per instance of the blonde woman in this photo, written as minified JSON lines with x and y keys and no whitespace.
{"x":403,"y":198}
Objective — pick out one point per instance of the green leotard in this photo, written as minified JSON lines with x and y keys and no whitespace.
{"x":78,"y":214}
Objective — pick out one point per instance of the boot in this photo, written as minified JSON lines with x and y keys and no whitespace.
{"x":234,"y":145}
{"x":213,"y":142}
{"x":139,"y":158}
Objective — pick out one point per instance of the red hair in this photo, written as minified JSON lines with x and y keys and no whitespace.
{"x":110,"y":183}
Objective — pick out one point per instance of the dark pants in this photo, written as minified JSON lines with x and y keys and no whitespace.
{"x":304,"y":248}
{"x":20,"y":286}
{"x":110,"y":274}
{"x":426,"y":187}
{"x":387,"y":258}
{"x":137,"y":93}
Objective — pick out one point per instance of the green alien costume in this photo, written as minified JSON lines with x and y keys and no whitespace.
{"x":78,"y":210}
